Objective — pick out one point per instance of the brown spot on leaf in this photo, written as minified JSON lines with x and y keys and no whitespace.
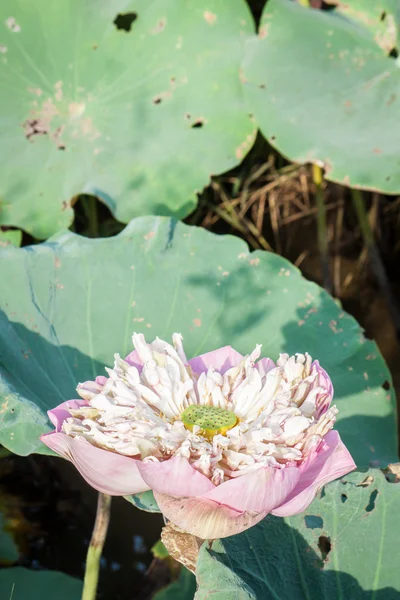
{"x":264,"y":30}
{"x":12,"y":24}
{"x":366,"y":482}
{"x":160,"y":97}
{"x":36,"y":91}
{"x":59,"y":92}
{"x":197,"y":123}
{"x":159,"y":27}
{"x":4,"y":406}
{"x":392,"y":98}
{"x":197,"y":322}
{"x":210,"y":17}
{"x":377,"y":151}
{"x":242,"y":77}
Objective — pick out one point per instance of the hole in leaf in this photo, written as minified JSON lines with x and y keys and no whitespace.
{"x":273,"y":138}
{"x":371,"y":504}
{"x":313,"y":522}
{"x":124,"y":21}
{"x":383,"y":15}
{"x":322,"y":493}
{"x":325,"y":546}
{"x":93,"y":218}
{"x":394,"y":53}
{"x":157,"y":100}
{"x":197,"y":123}
{"x":343,"y":498}
{"x":386,"y":385}
{"x":262,"y":86}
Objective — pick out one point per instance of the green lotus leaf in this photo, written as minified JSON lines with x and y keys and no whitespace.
{"x":341,"y":547}
{"x":323,"y":91}
{"x":181,"y":589}
{"x":18,"y":583}
{"x":140,"y":116}
{"x":9,"y":552}
{"x":381,"y":17}
{"x":144,"y":501}
{"x":72,"y":302}
{"x":11,"y":236}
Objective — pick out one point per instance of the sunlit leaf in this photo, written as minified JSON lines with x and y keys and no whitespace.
{"x":140,"y":116}
{"x":72,"y":302}
{"x":342,"y":547}
{"x":323,"y":90}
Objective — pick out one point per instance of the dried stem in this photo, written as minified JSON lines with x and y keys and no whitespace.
{"x":96,"y":547}
{"x":375,"y":258}
{"x":321,"y":227}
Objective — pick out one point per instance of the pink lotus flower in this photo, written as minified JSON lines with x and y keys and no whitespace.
{"x":222,"y":440}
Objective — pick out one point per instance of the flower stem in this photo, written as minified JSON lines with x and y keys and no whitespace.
{"x":322,"y":227}
{"x":96,"y":547}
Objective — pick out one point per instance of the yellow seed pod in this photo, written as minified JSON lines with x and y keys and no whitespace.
{"x":211,"y":419}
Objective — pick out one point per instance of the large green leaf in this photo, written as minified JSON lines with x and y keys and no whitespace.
{"x":12,"y":236}
{"x":181,"y":589}
{"x":144,"y":501}
{"x":18,"y":583}
{"x":140,"y":118}
{"x":322,"y":90}
{"x":72,"y":302}
{"x":9,"y":552}
{"x":343,"y":547}
{"x":381,"y":17}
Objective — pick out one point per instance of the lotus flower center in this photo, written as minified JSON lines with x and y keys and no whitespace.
{"x":211,"y":419}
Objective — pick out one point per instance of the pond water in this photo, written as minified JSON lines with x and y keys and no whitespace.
{"x":53,"y":511}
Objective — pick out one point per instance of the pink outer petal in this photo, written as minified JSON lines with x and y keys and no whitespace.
{"x":134,"y":360}
{"x":106,"y":471}
{"x":325,"y":382}
{"x":58,"y":414}
{"x":259,"y":491}
{"x":204,"y":518}
{"x":265,"y":365}
{"x":333,"y":462}
{"x":221,"y":359}
{"x":174,"y":477}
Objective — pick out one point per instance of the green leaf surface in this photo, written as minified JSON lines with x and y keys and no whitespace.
{"x":159,"y":551}
{"x":140,"y":118}
{"x":18,"y":583}
{"x":381,"y":18}
{"x":322,"y":90}
{"x":72,"y":302}
{"x":182,"y":589}
{"x":11,"y":236}
{"x":8,"y":548}
{"x":144,"y":501}
{"x":343,"y":547}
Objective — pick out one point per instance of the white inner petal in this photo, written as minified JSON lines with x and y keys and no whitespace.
{"x":137,"y":413}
